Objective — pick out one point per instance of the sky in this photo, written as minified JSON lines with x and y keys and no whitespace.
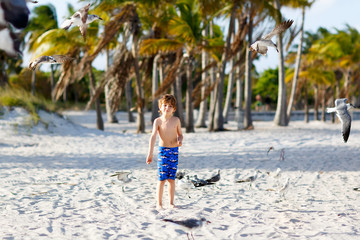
{"x":330,"y":14}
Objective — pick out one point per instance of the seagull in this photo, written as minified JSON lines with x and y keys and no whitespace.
{"x":341,"y":108}
{"x":284,"y":188}
{"x":189,"y":224}
{"x":9,"y":42}
{"x":261,"y":46}
{"x":80,"y":18}
{"x":122,"y":177}
{"x":54,"y":59}
{"x":249,"y":179}
{"x":185,"y":184}
{"x":276,"y":174}
{"x":270,"y":148}
{"x":200,"y":182}
{"x":214,"y":178}
{"x":282,"y":154}
{"x":14,"y":12}
{"x":180,"y":174}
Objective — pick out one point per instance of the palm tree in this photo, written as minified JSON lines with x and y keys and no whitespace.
{"x":280,"y":114}
{"x":298,"y":57}
{"x":184,"y":31}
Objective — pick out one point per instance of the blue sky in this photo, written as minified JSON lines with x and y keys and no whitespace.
{"x":330,"y":14}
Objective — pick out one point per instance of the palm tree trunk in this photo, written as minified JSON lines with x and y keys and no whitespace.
{"x":297,"y":68}
{"x":140,"y":95}
{"x":347,"y":81}
{"x":33,"y":82}
{"x":189,"y":117}
{"x":128,"y":97}
{"x":178,"y":94}
{"x":332,"y":115}
{"x":229,"y":91}
{"x":280,"y":114}
{"x":203,"y":105}
{"x":316,"y":104}
{"x":219,"y":119}
{"x":213,"y":93}
{"x":239,"y":116}
{"x":323,"y":105}
{"x":155,"y":86}
{"x":306,"y":105}
{"x":52,"y":82}
{"x":99,"y":120}
{"x":111,"y":117}
{"x":248,"y":64}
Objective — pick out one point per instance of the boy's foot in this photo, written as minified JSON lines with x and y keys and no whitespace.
{"x":159,"y":207}
{"x":172,"y":206}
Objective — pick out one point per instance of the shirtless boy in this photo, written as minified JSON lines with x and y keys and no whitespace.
{"x":169,"y":129}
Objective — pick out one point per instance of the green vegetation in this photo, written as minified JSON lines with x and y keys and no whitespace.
{"x":21,"y":98}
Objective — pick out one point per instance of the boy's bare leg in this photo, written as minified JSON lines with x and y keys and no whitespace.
{"x":159,"y":193}
{"x":171,"y":192}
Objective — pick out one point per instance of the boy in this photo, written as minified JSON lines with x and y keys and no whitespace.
{"x":169,"y":129}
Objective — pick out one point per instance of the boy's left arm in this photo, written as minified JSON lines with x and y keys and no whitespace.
{"x":179,"y":134}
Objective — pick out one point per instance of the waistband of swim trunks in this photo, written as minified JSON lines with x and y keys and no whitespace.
{"x":170,"y":148}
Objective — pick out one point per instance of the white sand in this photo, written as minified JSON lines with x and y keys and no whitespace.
{"x":55,"y":181}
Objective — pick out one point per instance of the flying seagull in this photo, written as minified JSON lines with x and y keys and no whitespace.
{"x":341,"y":108}
{"x":54,"y":59}
{"x":261,"y":46}
{"x":14,"y":12}
{"x":122,"y":177}
{"x":190,"y":224}
{"x":80,"y":18}
{"x":10,"y":43}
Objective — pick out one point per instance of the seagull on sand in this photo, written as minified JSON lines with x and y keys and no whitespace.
{"x":249,"y":179}
{"x":200,"y":182}
{"x":14,"y":12}
{"x":189,"y":224}
{"x":9,"y":42}
{"x":261,"y":46}
{"x":54,"y":59}
{"x":284,"y":188}
{"x":214,"y":178}
{"x":341,"y":108}
{"x":185,"y":184}
{"x":80,"y":18}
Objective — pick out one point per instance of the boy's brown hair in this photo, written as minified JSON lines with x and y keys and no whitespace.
{"x":168,"y":99}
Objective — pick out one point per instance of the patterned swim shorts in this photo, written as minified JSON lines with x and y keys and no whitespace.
{"x":167,"y":162}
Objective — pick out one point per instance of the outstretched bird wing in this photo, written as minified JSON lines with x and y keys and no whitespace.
{"x":346,"y":124}
{"x":62,"y":58}
{"x":34,"y":63}
{"x":279,"y":29}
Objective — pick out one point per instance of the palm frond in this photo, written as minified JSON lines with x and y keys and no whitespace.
{"x":154,"y":46}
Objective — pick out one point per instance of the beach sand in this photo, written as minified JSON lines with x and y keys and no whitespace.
{"x":55,"y":181}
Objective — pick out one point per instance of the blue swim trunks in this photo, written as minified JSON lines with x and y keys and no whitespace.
{"x":167,"y":162}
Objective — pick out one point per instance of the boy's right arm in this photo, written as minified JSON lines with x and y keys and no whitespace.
{"x":152,"y":142}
